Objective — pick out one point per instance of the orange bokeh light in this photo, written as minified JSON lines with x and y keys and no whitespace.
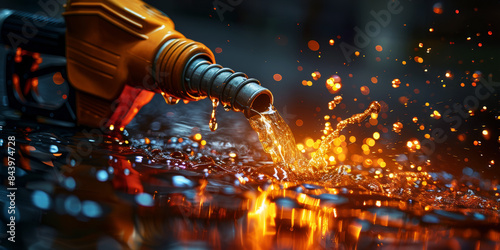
{"x":313,"y":45}
{"x":277,"y":77}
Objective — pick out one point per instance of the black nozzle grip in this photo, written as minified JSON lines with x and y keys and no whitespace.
{"x":31,"y":32}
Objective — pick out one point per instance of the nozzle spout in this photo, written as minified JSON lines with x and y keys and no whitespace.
{"x":233,"y":89}
{"x":202,"y":78}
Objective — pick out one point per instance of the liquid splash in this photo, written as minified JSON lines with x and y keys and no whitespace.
{"x":277,"y":140}
{"x":318,"y":162}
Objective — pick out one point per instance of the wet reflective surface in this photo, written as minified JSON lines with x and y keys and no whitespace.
{"x":141,"y":190}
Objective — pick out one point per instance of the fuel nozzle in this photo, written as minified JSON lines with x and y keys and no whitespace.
{"x":185,"y":69}
{"x":119,"y":53}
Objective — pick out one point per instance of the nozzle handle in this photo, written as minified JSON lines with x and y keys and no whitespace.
{"x":32,"y":32}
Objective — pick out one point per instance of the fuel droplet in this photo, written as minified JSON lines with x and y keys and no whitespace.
{"x":333,"y":84}
{"x":335,"y":102}
{"x":395,"y":83}
{"x":331,"y":105}
{"x":169,"y":99}
{"x":215,"y":103}
{"x":213,"y":121}
{"x":316,"y":75}
{"x":396,"y":127}
{"x":227,"y":108}
{"x":213,"y":124}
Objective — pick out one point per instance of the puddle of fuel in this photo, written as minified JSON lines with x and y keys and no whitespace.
{"x":89,"y":190}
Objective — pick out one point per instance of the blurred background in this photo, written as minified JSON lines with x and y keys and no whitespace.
{"x":438,"y":51}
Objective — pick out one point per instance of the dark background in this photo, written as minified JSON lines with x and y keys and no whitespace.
{"x":263,"y":38}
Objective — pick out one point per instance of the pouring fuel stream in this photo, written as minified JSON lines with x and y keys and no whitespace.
{"x":278,"y":141}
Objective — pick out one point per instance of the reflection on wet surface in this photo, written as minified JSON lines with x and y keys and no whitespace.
{"x":78,"y":187}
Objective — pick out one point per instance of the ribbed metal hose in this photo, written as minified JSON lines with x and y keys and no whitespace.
{"x":234,"y":90}
{"x":201,"y":78}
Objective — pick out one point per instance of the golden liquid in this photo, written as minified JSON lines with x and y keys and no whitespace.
{"x":318,"y":162}
{"x":277,"y":140}
{"x":213,"y":120}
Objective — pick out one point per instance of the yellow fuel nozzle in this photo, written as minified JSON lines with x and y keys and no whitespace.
{"x":120,"y":52}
